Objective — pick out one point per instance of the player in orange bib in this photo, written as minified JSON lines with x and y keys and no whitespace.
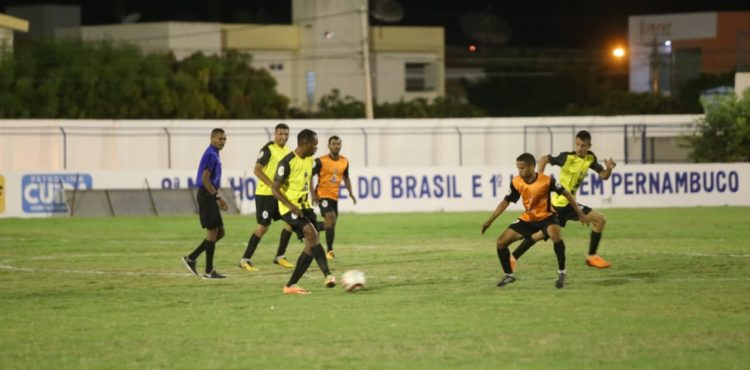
{"x":539,"y":215}
{"x":331,"y":169}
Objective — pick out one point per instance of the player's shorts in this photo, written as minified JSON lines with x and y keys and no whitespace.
{"x":567,"y":213}
{"x":528,"y":228}
{"x":298,"y":223}
{"x":266,"y":209}
{"x":328,"y":205}
{"x":208,"y":210}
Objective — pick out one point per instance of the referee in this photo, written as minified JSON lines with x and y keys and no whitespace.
{"x":209,"y":202}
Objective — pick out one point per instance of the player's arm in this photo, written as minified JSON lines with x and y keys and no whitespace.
{"x":512,"y":196}
{"x":605,"y":172}
{"x":314,"y":190}
{"x":348,"y":184}
{"x":263,"y":160}
{"x":541,"y":163}
{"x":581,"y":216}
{"x":206,"y":177}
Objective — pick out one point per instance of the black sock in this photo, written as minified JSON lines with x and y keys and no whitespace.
{"x":560,"y":253}
{"x":251,"y":245}
{"x":320,"y":226}
{"x":330,"y":234}
{"x":594,"y":242}
{"x":210,"y":248}
{"x":197,"y":252}
{"x":303,"y":262}
{"x":320,"y":257}
{"x":525,"y":245}
{"x":504,"y":256}
{"x":283,"y":242}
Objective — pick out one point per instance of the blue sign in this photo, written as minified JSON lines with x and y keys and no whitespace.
{"x":45,"y":192}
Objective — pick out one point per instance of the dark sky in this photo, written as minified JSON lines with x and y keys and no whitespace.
{"x":517,"y":23}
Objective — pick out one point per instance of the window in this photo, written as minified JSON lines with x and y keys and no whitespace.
{"x":419,"y":77}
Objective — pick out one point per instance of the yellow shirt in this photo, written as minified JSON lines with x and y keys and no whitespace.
{"x":573,"y":171}
{"x":269,"y":158}
{"x":294,"y":173}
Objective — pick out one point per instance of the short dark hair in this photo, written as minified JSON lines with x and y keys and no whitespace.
{"x":332,"y":138}
{"x":526,"y":158}
{"x":282,"y":126}
{"x":305,"y":136}
{"x":216,"y":131}
{"x":583,"y":135}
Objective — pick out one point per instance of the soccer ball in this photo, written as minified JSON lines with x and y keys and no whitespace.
{"x":353,"y":280}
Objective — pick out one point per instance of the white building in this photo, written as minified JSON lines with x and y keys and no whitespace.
{"x":320,"y":51}
{"x":9,"y":25}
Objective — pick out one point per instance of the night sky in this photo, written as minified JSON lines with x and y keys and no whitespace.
{"x":524,"y":23}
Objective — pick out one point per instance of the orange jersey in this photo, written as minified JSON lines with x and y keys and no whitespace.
{"x":330,"y":173}
{"x":536,"y":196}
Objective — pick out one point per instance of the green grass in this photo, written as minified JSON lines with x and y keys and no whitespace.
{"x":112,"y":293}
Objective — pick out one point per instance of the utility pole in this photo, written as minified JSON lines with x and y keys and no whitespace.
{"x":366,"y":64}
{"x":655,"y":67}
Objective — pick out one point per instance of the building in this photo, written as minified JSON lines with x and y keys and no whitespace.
{"x":9,"y":25}
{"x":669,"y":49}
{"x":322,"y":50}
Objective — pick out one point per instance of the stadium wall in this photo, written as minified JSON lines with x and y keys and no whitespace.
{"x":406,"y":189}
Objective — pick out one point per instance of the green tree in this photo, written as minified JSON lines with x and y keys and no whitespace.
{"x":723,"y":135}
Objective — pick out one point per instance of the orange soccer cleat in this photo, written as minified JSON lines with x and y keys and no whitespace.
{"x":294,"y":289}
{"x":598,"y":262}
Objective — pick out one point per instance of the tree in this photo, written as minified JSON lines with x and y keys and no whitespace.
{"x":723,"y":135}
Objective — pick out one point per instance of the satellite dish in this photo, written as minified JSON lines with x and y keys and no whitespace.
{"x":131,"y":18}
{"x":388,"y":11}
{"x":485,"y":27}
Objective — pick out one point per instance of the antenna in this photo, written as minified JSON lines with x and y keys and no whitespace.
{"x":131,"y":18}
{"x":485,"y":27}
{"x":389,"y":11}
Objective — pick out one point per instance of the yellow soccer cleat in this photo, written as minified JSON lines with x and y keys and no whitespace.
{"x":248,"y":266}
{"x":330,"y":281}
{"x":294,"y":289}
{"x":598,"y":262}
{"x":330,"y":255}
{"x":283,"y":263}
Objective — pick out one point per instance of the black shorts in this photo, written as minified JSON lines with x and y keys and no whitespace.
{"x":266,"y":209}
{"x":528,"y":228}
{"x":328,"y":205}
{"x":208,"y":210}
{"x":567,"y":213}
{"x":298,"y":223}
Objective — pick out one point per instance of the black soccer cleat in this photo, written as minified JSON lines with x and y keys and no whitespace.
{"x":506,"y":280}
{"x":190,"y":265}
{"x":560,"y":283}
{"x":213,"y":275}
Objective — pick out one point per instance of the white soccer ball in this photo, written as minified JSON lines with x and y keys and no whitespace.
{"x":353,"y":280}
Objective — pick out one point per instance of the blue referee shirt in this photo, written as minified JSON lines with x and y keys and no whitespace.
{"x":210,"y":160}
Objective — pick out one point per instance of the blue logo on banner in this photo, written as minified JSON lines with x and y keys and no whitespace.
{"x":45,"y":192}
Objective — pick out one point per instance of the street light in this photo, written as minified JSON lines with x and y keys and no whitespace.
{"x":618,"y":52}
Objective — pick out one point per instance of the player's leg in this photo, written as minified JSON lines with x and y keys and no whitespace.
{"x":312,"y":240}
{"x":303,"y":261}
{"x":330,"y":228}
{"x":505,"y":239}
{"x":597,"y":227}
{"x":190,"y":260}
{"x":214,"y":228}
{"x":264,"y":217}
{"x":553,"y":230}
{"x":280,"y":259}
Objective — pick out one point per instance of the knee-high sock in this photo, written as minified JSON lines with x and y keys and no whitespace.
{"x":560,"y":253}
{"x":504,"y":256}
{"x":330,"y":235}
{"x":303,"y":262}
{"x":525,"y":245}
{"x":594,"y":242}
{"x":210,"y":248}
{"x":283,"y":242}
{"x":197,"y":252}
{"x":251,"y":245}
{"x":320,"y":257}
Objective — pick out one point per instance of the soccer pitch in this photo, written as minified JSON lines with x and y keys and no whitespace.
{"x":112,"y":293}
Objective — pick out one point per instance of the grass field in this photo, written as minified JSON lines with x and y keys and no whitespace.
{"x":112,"y":293}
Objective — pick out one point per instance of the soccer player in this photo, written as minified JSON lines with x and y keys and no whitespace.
{"x":573,"y":168}
{"x":534,"y":188}
{"x":292,"y":189}
{"x":266,"y":206}
{"x":331,"y":169}
{"x":209,"y":202}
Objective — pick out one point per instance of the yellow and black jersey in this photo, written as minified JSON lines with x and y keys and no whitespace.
{"x":294,"y":172}
{"x":269,"y":158}
{"x":573,"y":171}
{"x":330,"y":173}
{"x":536,"y":196}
